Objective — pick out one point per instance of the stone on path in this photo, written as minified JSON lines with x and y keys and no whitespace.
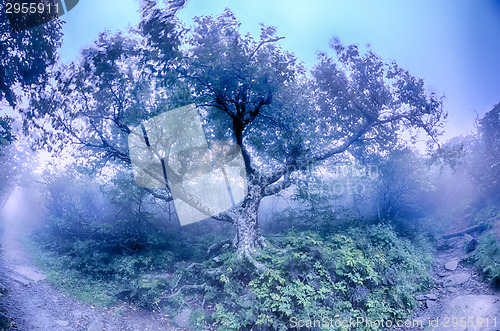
{"x":30,"y":273}
{"x":470,"y":243}
{"x":182,"y":319}
{"x":62,"y":323}
{"x":20,"y":279}
{"x":451,"y":265}
{"x":426,"y":297}
{"x":96,"y":326}
{"x":456,"y":279}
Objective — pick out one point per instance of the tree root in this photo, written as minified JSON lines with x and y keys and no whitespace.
{"x":212,"y":273}
{"x":217,"y":247}
{"x":259,"y":266}
{"x":184,"y":287}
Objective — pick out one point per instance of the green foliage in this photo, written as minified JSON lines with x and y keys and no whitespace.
{"x":362,"y":272}
{"x":489,"y":153}
{"x":486,"y":258}
{"x":99,"y":245}
{"x":69,"y":280}
{"x":487,"y":216}
{"x":25,"y":55}
{"x":6,"y":135}
{"x":475,"y":157}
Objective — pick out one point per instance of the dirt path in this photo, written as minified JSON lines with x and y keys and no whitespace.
{"x":461,"y":299}
{"x":36,"y":305}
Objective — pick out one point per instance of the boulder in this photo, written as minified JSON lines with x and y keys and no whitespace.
{"x":431,"y":296}
{"x":451,"y":265}
{"x":470,"y":243}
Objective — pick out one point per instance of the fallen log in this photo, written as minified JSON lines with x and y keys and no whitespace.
{"x":479,"y":227}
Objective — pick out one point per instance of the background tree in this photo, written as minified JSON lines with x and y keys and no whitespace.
{"x":249,"y":91}
{"x":7,"y":173}
{"x":25,"y":55}
{"x":488,"y":162}
{"x":475,"y":156}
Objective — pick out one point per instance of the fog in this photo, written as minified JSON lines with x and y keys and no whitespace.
{"x":183,"y":174}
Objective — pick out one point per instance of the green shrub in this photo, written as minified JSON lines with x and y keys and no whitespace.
{"x":486,"y":258}
{"x":369,"y":273}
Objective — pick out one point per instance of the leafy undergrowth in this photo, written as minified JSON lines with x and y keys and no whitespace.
{"x":368,"y":273}
{"x":95,"y":272}
{"x":363,"y":272}
{"x":486,"y":258}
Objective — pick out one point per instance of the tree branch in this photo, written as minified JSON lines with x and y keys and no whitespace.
{"x":273,"y":40}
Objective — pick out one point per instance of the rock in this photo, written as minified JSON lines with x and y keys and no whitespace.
{"x":451,"y":265}
{"x":182,"y":319}
{"x":30,"y":273}
{"x":470,"y":243}
{"x":426,"y":297}
{"x":96,"y":326}
{"x":20,"y":279}
{"x":456,"y":279}
{"x":431,"y":296}
{"x":430,"y":304}
{"x":62,"y":323}
{"x":3,"y":288}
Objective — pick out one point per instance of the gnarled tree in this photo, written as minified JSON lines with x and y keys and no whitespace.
{"x":249,"y":91}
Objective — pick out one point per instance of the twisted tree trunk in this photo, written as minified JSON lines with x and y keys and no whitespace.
{"x":248,"y":239}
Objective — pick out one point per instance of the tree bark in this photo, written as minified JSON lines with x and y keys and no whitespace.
{"x":248,"y":239}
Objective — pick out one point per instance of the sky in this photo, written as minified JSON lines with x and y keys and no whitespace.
{"x":454,"y":45}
